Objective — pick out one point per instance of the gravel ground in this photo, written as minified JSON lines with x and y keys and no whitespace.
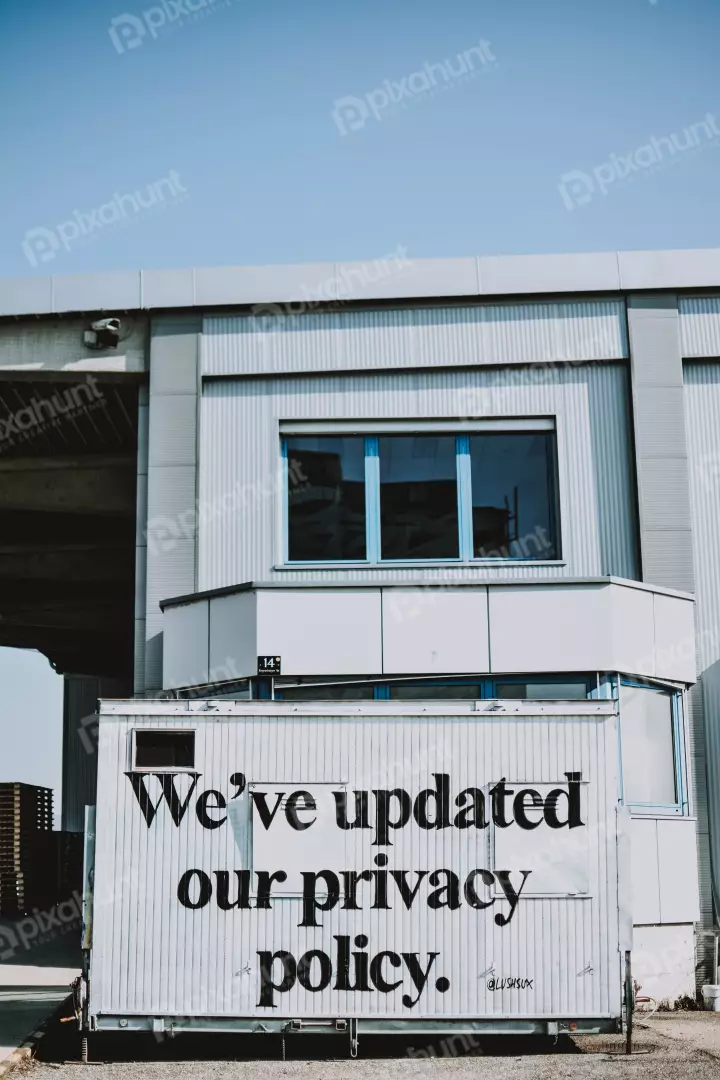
{"x":660,"y":1056}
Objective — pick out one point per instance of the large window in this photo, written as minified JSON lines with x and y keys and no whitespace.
{"x":329,"y":688}
{"x":421,"y":496}
{"x":418,"y":497}
{"x":326,"y":498}
{"x":512,"y":501}
{"x":650,"y":746}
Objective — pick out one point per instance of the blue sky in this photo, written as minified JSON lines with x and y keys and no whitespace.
{"x":236,"y":102}
{"x":30,"y":721}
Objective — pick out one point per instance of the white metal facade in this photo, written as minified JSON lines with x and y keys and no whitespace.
{"x":240,"y":469}
{"x":501,"y":628}
{"x":153,"y":957}
{"x":287,"y":339}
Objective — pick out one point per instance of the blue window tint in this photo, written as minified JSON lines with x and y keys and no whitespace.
{"x":326,"y":498}
{"x":418,"y":497}
{"x":513,"y":496}
{"x":421,"y":497}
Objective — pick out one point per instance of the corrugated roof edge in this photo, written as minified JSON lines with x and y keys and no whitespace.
{"x":397,"y":276}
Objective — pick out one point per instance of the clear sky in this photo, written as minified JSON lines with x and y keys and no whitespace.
{"x":30,"y":721}
{"x":238,"y":100}
{"x":209,"y":132}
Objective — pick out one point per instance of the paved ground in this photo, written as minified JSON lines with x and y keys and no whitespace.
{"x":22,"y":1010}
{"x":700,"y":1029}
{"x":36,"y":969}
{"x":667,"y":1048}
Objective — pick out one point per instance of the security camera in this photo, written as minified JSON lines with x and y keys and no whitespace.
{"x":103,"y":334}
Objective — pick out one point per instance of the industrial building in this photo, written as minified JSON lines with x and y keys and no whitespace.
{"x":409,"y":480}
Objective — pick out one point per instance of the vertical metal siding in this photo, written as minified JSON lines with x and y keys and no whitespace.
{"x":171,"y":552}
{"x":699,"y":325}
{"x":153,"y":957}
{"x":702,"y":410}
{"x":240,"y":506}
{"x":290,"y":339}
{"x":660,"y":447}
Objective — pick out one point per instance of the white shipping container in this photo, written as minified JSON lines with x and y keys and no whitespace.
{"x":364,"y":867}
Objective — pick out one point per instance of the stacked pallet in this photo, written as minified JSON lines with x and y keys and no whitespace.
{"x":27,"y":852}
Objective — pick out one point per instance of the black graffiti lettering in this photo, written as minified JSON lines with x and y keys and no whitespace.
{"x":440,"y":796}
{"x":355,"y":972}
{"x":451,"y":889}
{"x":512,"y":897}
{"x":361,"y":810}
{"x":394,"y":808}
{"x":222,"y":892}
{"x":361,"y":966}
{"x":342,"y":980}
{"x":169,"y":794}
{"x":265,"y":884}
{"x":573,"y":803}
{"x":498,"y":794}
{"x":268,"y":988}
{"x":418,"y":975}
{"x":238,"y":781}
{"x":202,"y":809}
{"x":183,"y":891}
{"x":408,"y":894}
{"x":266,"y":815}
{"x":380,"y":902}
{"x":512,"y":983}
{"x":351,"y":880}
{"x":292,"y":810}
{"x":310,"y":901}
{"x":574,"y":780}
{"x":376,"y":971}
{"x":520,"y":809}
{"x":474,"y":814}
{"x":470,"y":893}
{"x":305,"y":966}
{"x":383,"y":821}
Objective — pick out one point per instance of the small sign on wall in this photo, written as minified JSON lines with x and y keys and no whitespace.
{"x":268,"y":665}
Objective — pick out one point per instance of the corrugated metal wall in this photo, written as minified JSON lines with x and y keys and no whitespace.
{"x":240,"y":506}
{"x":702,"y":409}
{"x":153,"y":956}
{"x":699,"y":325}
{"x":413,"y":337}
{"x":661,"y":464}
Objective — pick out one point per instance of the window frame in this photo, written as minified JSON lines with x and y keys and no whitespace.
{"x":371,"y":434}
{"x":680,"y":808}
{"x":134,"y":767}
{"x":487,"y":685}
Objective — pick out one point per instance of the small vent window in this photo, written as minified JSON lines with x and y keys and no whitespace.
{"x":164,"y":749}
